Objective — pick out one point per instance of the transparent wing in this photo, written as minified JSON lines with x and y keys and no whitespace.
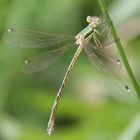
{"x":42,"y":61}
{"x":106,"y":63}
{"x":104,"y":32}
{"x":102,"y":60}
{"x":34,"y":39}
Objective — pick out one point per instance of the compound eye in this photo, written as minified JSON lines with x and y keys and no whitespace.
{"x":89,"y":19}
{"x":97,"y":20}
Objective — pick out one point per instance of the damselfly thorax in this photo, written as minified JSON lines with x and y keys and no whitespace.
{"x":87,"y":33}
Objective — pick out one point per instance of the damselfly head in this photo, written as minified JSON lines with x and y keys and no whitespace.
{"x":94,"y":20}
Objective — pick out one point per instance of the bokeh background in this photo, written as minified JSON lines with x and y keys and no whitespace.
{"x":94,"y":106}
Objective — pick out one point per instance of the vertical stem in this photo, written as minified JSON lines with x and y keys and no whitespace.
{"x":120,"y":48}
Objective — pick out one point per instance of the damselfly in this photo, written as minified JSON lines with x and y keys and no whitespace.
{"x":33,"y":39}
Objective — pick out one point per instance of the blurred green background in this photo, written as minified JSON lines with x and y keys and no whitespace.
{"x":93,"y":107}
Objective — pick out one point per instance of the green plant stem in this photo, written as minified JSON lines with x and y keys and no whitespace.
{"x":120,"y":47}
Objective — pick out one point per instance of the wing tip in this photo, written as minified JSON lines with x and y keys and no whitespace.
{"x":10,"y":29}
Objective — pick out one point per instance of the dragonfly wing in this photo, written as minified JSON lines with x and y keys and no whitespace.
{"x":34,"y":39}
{"x":102,"y":60}
{"x":42,"y":61}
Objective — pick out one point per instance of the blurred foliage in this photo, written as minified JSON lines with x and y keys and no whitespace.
{"x":102,"y":113}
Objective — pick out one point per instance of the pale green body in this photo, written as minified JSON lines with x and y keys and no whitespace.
{"x":87,"y":30}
